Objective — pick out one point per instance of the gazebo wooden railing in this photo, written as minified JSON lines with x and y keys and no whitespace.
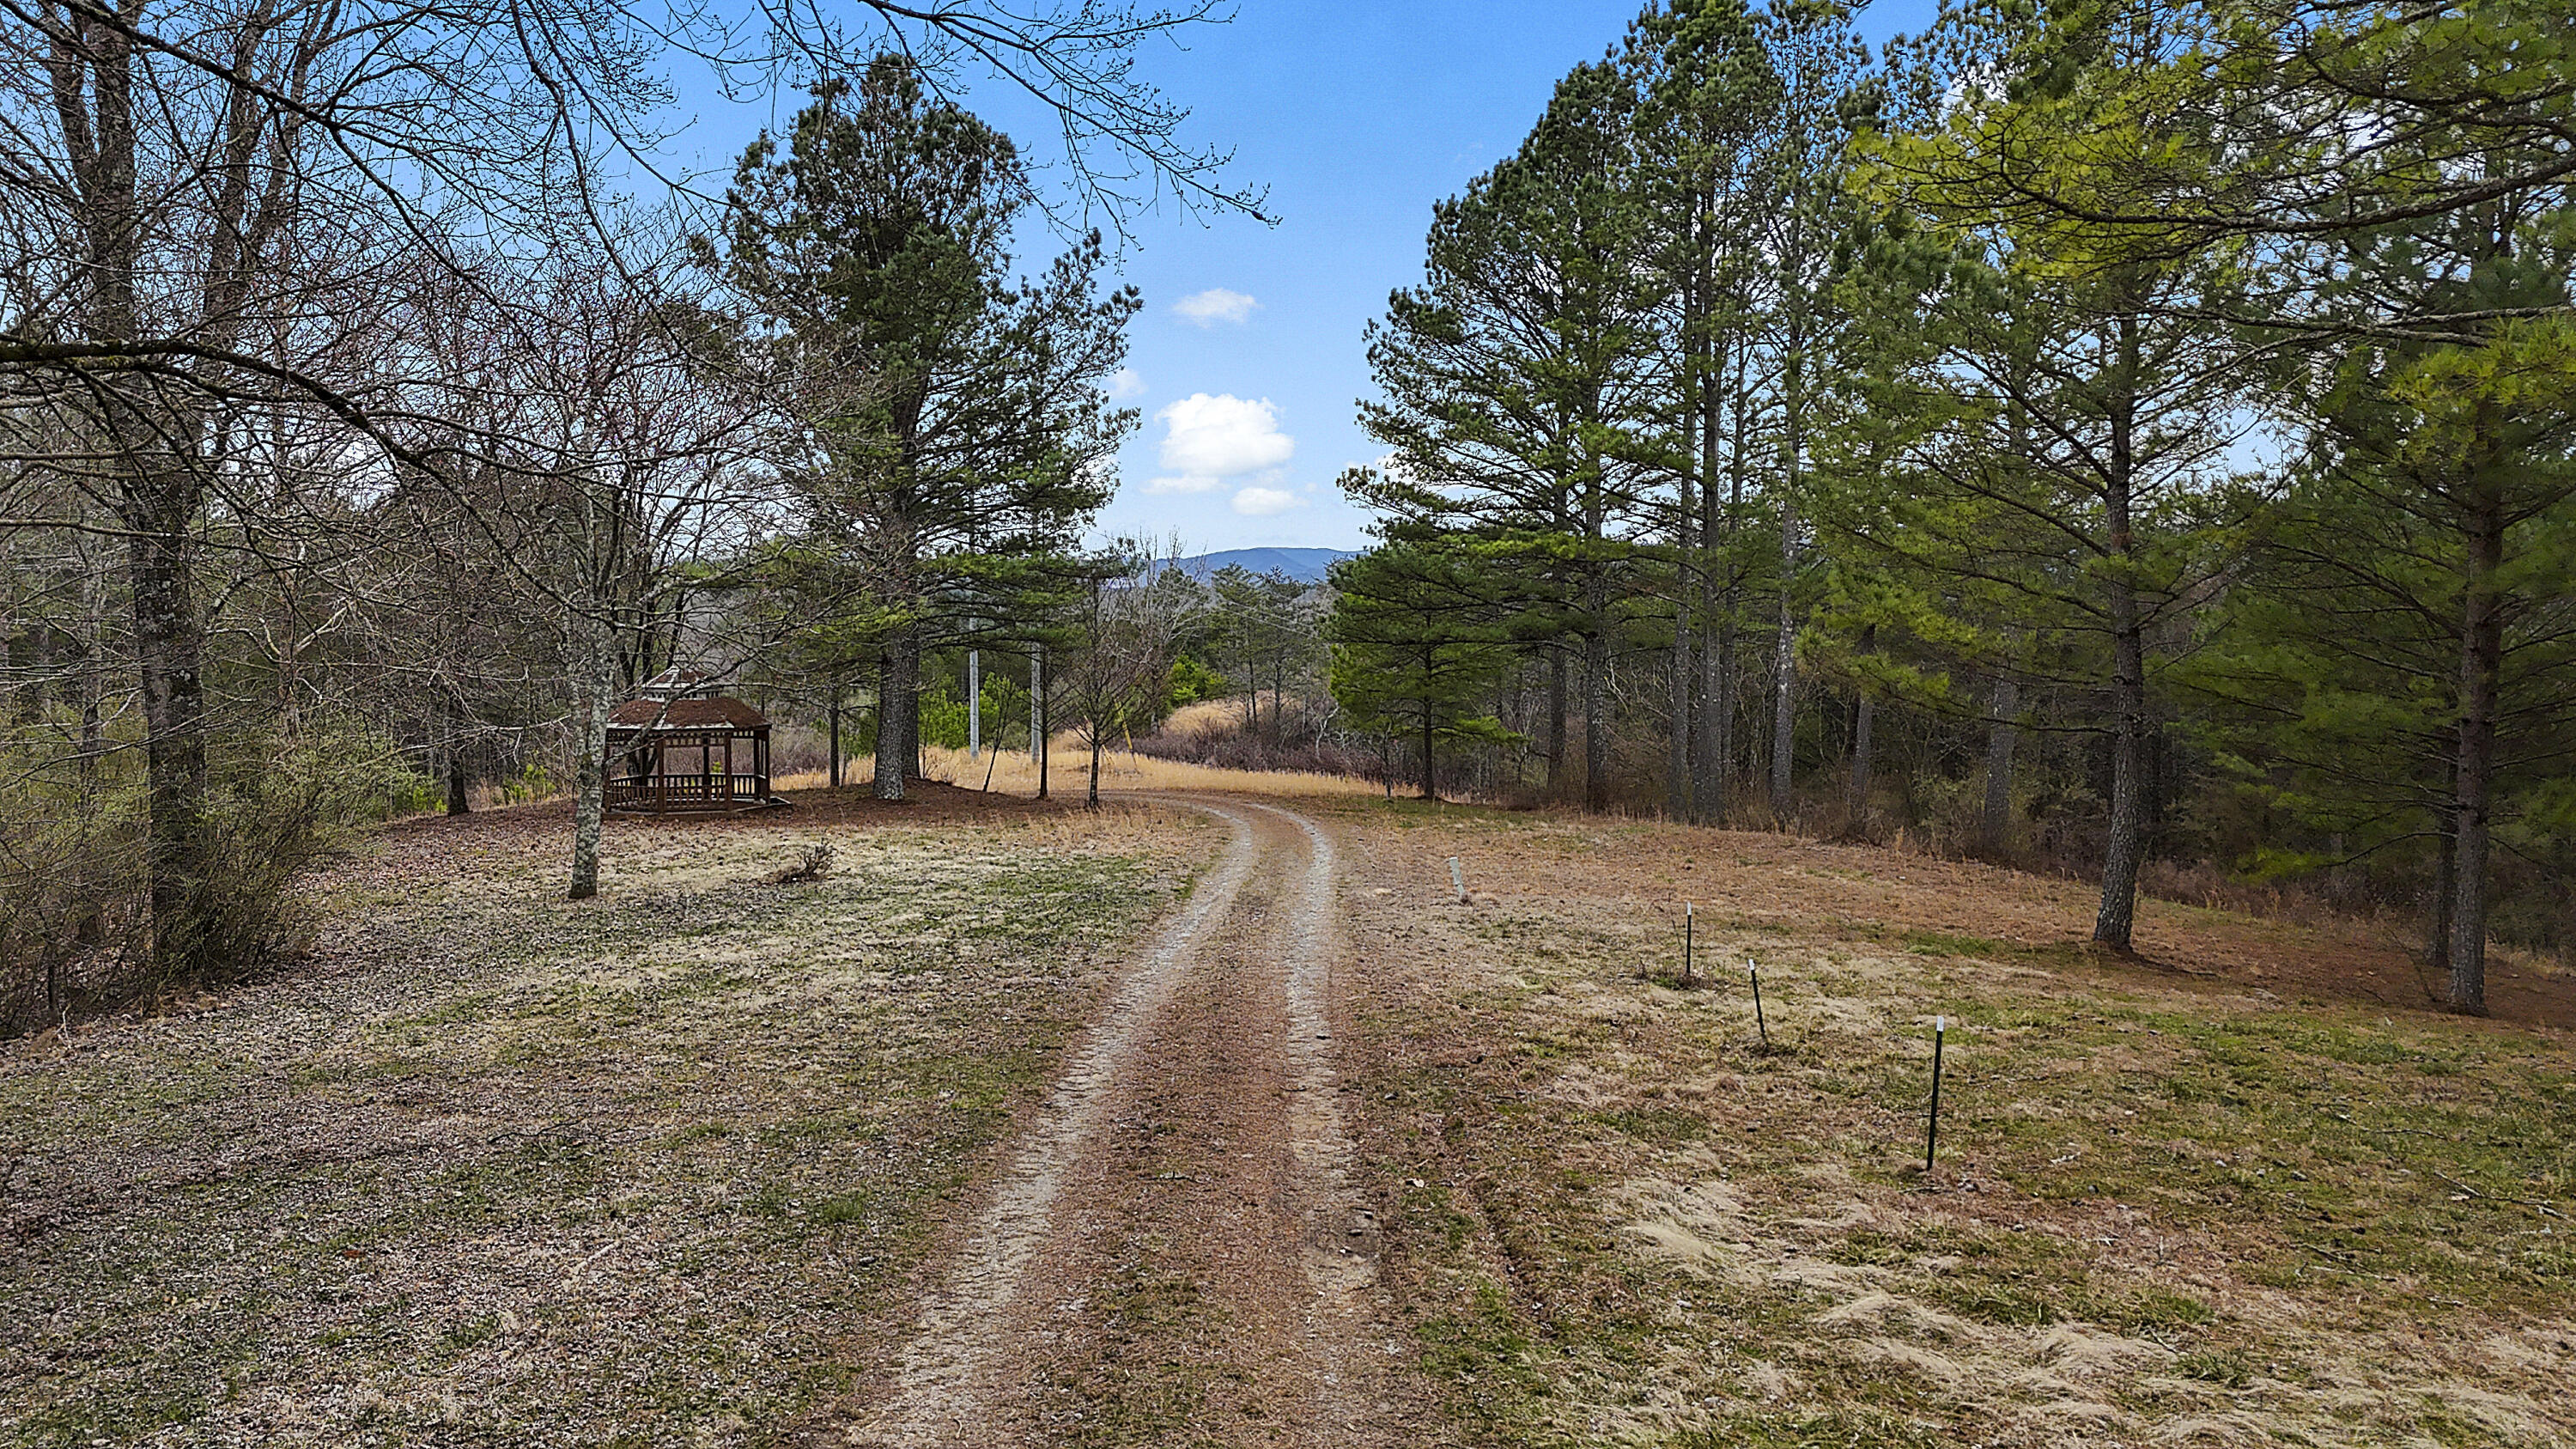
{"x":687,"y":792}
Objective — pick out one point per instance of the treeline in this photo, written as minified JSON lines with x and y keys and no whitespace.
{"x":364,"y":440}
{"x":2114,"y":433}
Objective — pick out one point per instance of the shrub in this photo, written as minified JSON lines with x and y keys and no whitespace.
{"x":67,"y":866}
{"x":75,"y":933}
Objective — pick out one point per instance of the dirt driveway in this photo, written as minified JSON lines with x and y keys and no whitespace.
{"x":1173,"y":1252}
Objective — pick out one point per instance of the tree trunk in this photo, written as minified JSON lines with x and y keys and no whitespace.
{"x":1556,"y":722}
{"x":590,"y":771}
{"x":835,"y":773}
{"x":1430,"y":775}
{"x":454,"y":758}
{"x":2126,"y":848}
{"x":1685,"y":676}
{"x":1716,"y":737}
{"x":92,"y":927}
{"x":1793,"y":461}
{"x":1713,"y":739}
{"x":168,"y":651}
{"x":1092,"y":800}
{"x":2481,"y":664}
{"x":1037,"y":709}
{"x":1864,"y":716}
{"x":1996,"y":822}
{"x":1861,"y":726}
{"x":2437,"y":935}
{"x":151,"y":443}
{"x":898,"y":673}
{"x":1596,"y":708}
{"x":913,"y":758}
{"x":1784,"y":665}
{"x":1679,"y":795}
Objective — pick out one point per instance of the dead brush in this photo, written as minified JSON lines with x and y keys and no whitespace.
{"x":814,"y":863}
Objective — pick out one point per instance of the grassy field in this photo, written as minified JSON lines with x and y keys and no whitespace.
{"x":2171,"y":1206}
{"x":669,"y":1167}
{"x":501,"y":1169}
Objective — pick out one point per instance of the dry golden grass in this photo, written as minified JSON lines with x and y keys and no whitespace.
{"x":1011,"y":772}
{"x":1210,"y":717}
{"x":2204,"y":1207}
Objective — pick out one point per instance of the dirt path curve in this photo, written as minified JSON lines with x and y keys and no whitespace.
{"x":1175,"y":1251}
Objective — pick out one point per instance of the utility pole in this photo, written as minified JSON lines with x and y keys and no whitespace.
{"x":1037,"y":716}
{"x":974,"y":706}
{"x":1037,"y":704}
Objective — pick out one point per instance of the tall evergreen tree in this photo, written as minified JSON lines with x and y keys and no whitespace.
{"x":958,"y":428}
{"x":2394,"y":170}
{"x":2399,"y":652}
{"x":1709,"y":100}
{"x":2031,"y":459}
{"x":1520,"y":382}
{"x":1824,"y":70}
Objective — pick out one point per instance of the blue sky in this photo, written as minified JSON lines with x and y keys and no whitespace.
{"x":1357,"y":117}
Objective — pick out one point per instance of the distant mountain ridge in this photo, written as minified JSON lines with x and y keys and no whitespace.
{"x":1305,"y":565}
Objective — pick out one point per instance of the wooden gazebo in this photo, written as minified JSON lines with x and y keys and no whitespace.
{"x":674,"y":754}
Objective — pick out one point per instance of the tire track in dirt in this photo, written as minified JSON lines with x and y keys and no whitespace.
{"x":935,"y":1388}
{"x":1338,"y":1321}
{"x":1194,"y":1156}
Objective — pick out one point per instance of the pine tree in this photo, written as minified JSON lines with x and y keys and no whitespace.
{"x":2397,"y":657}
{"x":1520,"y":381}
{"x":959,"y":431}
{"x":1709,"y":100}
{"x":2402,"y":178}
{"x":1419,"y":636}
{"x":1824,"y":70}
{"x":2029,"y":462}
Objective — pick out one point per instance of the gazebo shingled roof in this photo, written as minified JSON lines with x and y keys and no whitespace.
{"x":720,"y":712}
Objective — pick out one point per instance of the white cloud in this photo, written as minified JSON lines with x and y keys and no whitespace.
{"x":1209,"y":440}
{"x":1215,"y":305}
{"x":1125,"y":383}
{"x":1262,"y":502}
